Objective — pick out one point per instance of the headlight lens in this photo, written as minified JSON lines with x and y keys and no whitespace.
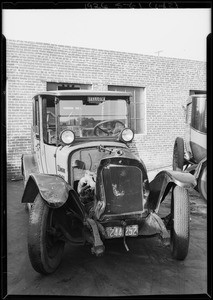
{"x":67,"y":136}
{"x":127,"y":135}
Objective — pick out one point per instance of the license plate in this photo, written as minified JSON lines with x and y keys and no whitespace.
{"x":116,"y":232}
{"x":132,"y":230}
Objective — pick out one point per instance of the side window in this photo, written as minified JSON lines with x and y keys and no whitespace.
{"x":49,"y":120}
{"x":36,"y":125}
{"x":199,"y":114}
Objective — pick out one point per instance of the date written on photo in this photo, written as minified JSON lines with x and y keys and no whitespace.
{"x":152,"y":4}
{"x":115,"y":232}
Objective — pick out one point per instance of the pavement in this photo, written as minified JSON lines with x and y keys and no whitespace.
{"x":147,"y":269}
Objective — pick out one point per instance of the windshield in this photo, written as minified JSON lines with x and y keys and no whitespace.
{"x":92,"y":119}
{"x":87,"y":117}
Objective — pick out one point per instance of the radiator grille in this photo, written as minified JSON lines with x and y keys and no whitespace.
{"x":123,"y":189}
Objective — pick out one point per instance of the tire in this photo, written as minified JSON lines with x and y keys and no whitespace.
{"x":179,"y":235}
{"x":202,"y":182}
{"x":45,"y":252}
{"x":178,"y":154}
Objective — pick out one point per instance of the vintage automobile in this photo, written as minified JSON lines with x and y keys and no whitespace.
{"x":84,"y":185}
{"x":191,"y":156}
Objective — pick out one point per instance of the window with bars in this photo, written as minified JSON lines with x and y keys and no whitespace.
{"x":137,"y":106}
{"x":53,"y":86}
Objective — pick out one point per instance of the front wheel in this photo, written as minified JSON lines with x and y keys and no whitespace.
{"x":44,"y":248}
{"x":178,"y":154}
{"x":179,"y":239}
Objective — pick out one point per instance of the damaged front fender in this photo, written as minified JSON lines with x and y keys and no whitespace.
{"x":162,"y":183}
{"x":52,"y":188}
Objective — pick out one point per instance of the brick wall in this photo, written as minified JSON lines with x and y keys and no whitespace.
{"x":167,"y":81}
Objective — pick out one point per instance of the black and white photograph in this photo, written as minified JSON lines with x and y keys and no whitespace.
{"x":106,"y":150}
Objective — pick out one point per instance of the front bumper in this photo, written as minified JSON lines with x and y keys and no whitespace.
{"x":150,"y":224}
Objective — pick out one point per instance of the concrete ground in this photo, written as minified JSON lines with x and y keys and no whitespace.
{"x":147,"y":269}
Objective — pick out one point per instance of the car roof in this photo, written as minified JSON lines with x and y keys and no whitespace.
{"x":83,"y":93}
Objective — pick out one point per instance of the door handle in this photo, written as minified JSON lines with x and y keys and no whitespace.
{"x":37,"y":146}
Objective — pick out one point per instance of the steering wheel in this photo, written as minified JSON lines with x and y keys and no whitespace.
{"x":105,"y":130}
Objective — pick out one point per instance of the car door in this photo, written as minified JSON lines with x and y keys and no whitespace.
{"x":38,"y":144}
{"x":36,"y":133}
{"x":49,"y":135}
{"x":198,"y":127}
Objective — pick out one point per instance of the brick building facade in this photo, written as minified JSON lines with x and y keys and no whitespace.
{"x":165,"y":84}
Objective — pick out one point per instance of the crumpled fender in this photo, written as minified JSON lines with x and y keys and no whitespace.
{"x":183,"y":179}
{"x":199,"y":167}
{"x":52,"y":188}
{"x":162,"y":183}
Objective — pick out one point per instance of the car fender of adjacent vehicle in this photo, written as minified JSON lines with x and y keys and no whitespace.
{"x":162,"y":183}
{"x":199,"y":167}
{"x":52,"y":188}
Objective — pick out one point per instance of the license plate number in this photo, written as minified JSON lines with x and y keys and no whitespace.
{"x":132,"y":230}
{"x":115,"y":232}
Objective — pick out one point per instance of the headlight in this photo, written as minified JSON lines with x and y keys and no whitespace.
{"x":67,"y":136}
{"x":127,"y":135}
